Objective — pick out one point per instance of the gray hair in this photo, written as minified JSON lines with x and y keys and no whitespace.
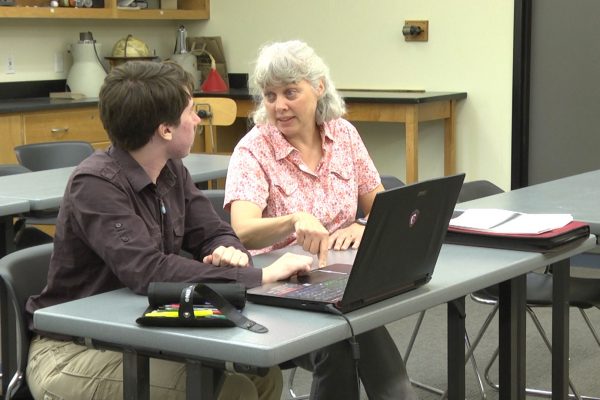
{"x":282,"y":63}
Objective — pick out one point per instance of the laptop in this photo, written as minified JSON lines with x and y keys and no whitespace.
{"x":398,"y":253}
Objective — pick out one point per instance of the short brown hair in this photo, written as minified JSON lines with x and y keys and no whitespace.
{"x":138,"y":96}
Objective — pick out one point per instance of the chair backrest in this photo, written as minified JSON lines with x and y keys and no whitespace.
{"x":214,"y":111}
{"x":50,"y":155}
{"x":22,"y":274}
{"x":217,"y":197}
{"x":477,"y":189}
{"x":12,"y":169}
{"x":388,"y":182}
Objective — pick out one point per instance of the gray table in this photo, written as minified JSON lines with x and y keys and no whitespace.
{"x":460,"y":270}
{"x":44,"y":189}
{"x":9,"y":208}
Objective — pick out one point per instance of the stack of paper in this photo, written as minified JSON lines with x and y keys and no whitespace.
{"x":509,"y":222}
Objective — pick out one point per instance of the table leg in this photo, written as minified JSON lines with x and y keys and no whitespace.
{"x":136,"y":376}
{"x":210,"y":139}
{"x":456,"y":349}
{"x":511,"y":364}
{"x":560,"y":329}
{"x":202,"y":382}
{"x":412,"y":143}
{"x":450,"y":141}
{"x":7,"y":236}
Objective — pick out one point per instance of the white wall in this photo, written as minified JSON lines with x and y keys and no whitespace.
{"x":469,"y":49}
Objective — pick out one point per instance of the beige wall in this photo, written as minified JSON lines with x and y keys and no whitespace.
{"x":469,"y":49}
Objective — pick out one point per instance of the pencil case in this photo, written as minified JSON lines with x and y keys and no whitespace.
{"x":197,"y":305}
{"x":161,"y":293}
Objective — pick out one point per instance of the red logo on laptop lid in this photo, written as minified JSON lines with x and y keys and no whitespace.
{"x":414,"y":216}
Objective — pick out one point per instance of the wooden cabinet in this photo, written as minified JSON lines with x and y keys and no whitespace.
{"x":50,"y":126}
{"x":72,"y":124}
{"x":10,"y":136}
{"x":186,"y":10}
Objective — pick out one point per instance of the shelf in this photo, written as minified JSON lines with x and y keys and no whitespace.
{"x":56,"y":12}
{"x":189,"y":10}
{"x":161,"y":14}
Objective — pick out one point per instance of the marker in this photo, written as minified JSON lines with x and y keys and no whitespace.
{"x":175,"y":314}
{"x":175,"y":307}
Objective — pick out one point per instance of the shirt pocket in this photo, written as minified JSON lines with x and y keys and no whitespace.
{"x":284,"y":197}
{"x":344,"y":190}
{"x":285,"y":187}
{"x":342,"y":183}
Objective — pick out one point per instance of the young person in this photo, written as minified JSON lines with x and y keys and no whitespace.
{"x":126,"y":214}
{"x":298,"y":177}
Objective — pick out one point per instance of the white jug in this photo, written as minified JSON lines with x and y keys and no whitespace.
{"x":86,"y":75}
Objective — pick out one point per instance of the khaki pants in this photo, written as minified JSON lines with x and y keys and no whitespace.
{"x":65,"y":370}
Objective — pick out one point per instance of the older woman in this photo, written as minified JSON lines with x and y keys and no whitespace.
{"x":298,"y":176}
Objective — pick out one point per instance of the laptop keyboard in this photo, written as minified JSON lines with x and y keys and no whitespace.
{"x":323,"y":291}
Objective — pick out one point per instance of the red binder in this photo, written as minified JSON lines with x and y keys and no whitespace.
{"x":541,"y":242}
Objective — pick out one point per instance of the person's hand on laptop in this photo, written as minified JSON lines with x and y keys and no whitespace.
{"x":227,"y":257}
{"x":343,"y":238}
{"x":312,"y":235}
{"x":285,"y":266}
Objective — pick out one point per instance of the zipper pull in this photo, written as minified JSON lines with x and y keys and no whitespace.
{"x":163,"y":209}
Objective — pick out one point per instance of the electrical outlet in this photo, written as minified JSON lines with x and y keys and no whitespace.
{"x":416,"y":31}
{"x":10,"y":65}
{"x":59,"y":63}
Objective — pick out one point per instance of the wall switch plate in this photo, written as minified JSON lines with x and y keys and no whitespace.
{"x":9,"y":68}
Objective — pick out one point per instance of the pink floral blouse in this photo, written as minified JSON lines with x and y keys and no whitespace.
{"x":268,"y":171}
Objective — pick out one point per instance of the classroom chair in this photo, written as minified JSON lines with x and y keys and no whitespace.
{"x":388,"y":182}
{"x":24,"y":236}
{"x":214,"y":111}
{"x":22,"y":274}
{"x":51,"y":155}
{"x":584,"y":293}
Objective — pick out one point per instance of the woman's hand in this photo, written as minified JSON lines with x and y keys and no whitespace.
{"x":227,"y":257}
{"x":343,"y":238}
{"x":285,"y":266}
{"x":311,"y":235}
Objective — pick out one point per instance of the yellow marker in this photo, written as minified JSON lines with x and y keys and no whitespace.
{"x":175,"y":314}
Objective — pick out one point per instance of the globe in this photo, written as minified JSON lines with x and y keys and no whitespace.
{"x":130,"y":47}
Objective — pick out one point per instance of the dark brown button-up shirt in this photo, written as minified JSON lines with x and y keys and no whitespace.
{"x":117,"y":229}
